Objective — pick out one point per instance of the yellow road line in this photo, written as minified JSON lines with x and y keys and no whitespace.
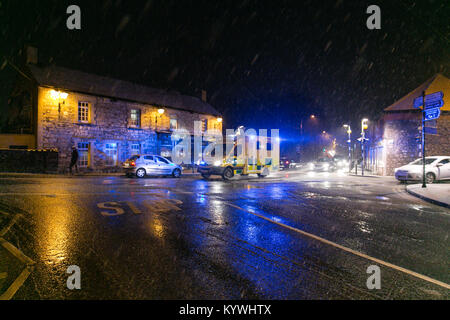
{"x":11,"y":291}
{"x":10,"y":224}
{"x":357,"y":253}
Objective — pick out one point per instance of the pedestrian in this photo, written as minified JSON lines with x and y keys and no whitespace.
{"x":74,"y":159}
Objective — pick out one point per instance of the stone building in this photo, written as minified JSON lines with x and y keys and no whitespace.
{"x":396,"y":139}
{"x":107,"y":119}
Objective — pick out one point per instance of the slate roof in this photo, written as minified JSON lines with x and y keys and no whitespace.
{"x":436,"y":83}
{"x":82,"y":82}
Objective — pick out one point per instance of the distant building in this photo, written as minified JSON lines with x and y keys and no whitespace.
{"x":395,"y":140}
{"x":107,"y":119}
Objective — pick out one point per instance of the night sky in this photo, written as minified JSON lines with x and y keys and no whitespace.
{"x":264,"y":64}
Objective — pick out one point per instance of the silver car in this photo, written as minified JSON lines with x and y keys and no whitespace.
{"x":149,"y":164}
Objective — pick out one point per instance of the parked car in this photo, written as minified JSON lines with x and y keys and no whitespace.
{"x":149,"y":164}
{"x":436,"y":168}
{"x":322,"y":164}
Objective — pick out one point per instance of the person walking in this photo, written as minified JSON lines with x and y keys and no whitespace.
{"x":74,"y":159}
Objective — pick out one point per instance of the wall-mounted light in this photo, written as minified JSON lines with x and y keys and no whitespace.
{"x":219,"y":119}
{"x":160,"y":111}
{"x":58,"y":94}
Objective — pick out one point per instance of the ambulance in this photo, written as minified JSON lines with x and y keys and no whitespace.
{"x":258,"y":155}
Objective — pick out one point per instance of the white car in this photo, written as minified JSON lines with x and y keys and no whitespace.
{"x":436,"y":168}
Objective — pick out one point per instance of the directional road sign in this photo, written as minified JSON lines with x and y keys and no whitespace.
{"x":430,"y":130}
{"x":432,"y":100}
{"x":431,"y":114}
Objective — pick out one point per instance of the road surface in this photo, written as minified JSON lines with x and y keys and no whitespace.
{"x":289,"y":236}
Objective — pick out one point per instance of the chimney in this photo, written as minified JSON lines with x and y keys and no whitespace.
{"x":204,"y":95}
{"x":31,"y":55}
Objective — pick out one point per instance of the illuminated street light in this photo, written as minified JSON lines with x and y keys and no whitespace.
{"x":349,"y":141}
{"x":312,"y":116}
{"x":219,"y":119}
{"x":160,"y":111}
{"x":364,"y":127}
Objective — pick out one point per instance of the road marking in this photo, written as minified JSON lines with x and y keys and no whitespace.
{"x":336,"y":245}
{"x":11,"y":291}
{"x":133,"y":207}
{"x":10,"y":224}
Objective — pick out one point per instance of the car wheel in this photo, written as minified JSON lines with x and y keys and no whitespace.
{"x":140,"y":173}
{"x":205,"y":175}
{"x":264,"y":173}
{"x":176,"y":173}
{"x":430,"y":177}
{"x":227,"y":173}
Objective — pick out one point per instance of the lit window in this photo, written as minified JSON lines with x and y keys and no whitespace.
{"x":135,"y":117}
{"x":173,"y":124}
{"x":135,"y":149}
{"x":83,"y":111}
{"x":83,"y":154}
{"x":111,"y":154}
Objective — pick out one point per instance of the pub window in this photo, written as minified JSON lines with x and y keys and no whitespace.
{"x":135,"y":117}
{"x":135,"y":149}
{"x":111,"y":154}
{"x":173,"y":124}
{"x":83,"y":154}
{"x":83,"y":111}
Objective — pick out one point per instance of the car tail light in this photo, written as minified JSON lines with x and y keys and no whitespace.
{"x":132,"y":163}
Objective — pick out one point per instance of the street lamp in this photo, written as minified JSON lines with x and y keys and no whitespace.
{"x":160,"y":111}
{"x":349,"y":141}
{"x":219,"y":119}
{"x":364,"y":127}
{"x":58,"y":95}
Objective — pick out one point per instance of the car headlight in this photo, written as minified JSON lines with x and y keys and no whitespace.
{"x":217,"y":163}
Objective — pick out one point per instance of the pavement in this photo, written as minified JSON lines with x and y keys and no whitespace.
{"x":292,"y":235}
{"x":435,"y":193}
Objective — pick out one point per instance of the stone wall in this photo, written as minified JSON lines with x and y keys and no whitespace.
{"x":439,"y":145}
{"x":109,"y":122}
{"x":401,"y":145}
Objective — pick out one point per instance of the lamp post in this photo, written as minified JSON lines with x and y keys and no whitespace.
{"x":311,"y":117}
{"x":160,"y":111}
{"x":363,"y":138}
{"x":349,"y":141}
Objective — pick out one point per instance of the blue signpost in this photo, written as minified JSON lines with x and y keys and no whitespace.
{"x":431,"y":109}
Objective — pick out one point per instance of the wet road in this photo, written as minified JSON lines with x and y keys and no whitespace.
{"x":292,"y":236}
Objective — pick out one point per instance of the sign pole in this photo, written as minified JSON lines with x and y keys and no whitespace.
{"x":424,"y":185}
{"x":349,"y":150}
